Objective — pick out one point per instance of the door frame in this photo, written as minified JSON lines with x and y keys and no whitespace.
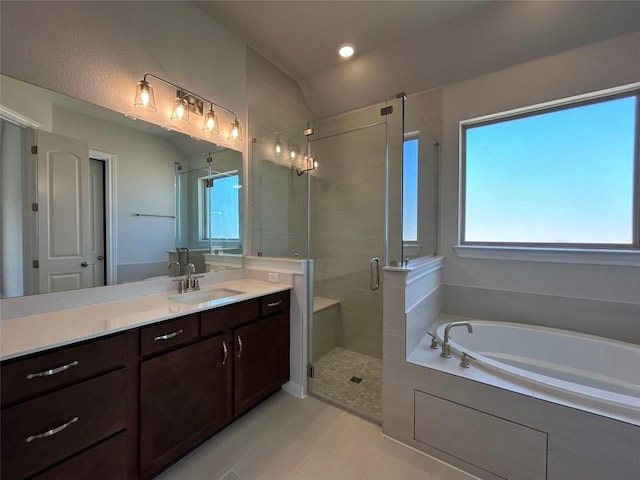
{"x":110,"y":213}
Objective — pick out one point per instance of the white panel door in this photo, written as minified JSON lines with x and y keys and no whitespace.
{"x":64,"y":213}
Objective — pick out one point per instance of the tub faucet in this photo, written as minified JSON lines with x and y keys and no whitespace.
{"x":446,"y":348}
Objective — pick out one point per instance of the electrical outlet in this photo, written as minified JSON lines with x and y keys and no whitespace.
{"x":274,"y":277}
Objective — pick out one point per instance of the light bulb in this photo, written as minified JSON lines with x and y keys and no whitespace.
{"x":180,"y":112}
{"x":346,"y":51}
{"x":144,"y":96}
{"x":235,"y":134}
{"x":210,"y":121}
{"x":278,"y":147}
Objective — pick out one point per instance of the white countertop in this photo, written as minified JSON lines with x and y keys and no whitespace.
{"x":24,"y":335}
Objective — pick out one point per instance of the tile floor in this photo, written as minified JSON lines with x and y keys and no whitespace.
{"x":334,"y":380}
{"x":286,"y":438}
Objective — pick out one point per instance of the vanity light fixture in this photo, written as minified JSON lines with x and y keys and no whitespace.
{"x":293,"y":152}
{"x":277,"y":147}
{"x":180,"y":110}
{"x":145,"y":99}
{"x":307,"y":162}
{"x":210,"y":121}
{"x":185,"y":102}
{"x":235,"y":134}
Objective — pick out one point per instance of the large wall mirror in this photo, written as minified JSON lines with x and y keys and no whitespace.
{"x":90,"y":197}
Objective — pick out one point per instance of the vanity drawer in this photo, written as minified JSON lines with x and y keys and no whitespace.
{"x":41,"y":432}
{"x":222,"y":318}
{"x":274,"y":303}
{"x":28,"y":377}
{"x":105,"y":461}
{"x":165,"y":335}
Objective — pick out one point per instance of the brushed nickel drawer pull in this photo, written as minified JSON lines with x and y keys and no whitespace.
{"x":226,"y":352}
{"x":167,"y":336}
{"x":274,"y":304}
{"x":52,"y":371}
{"x":53,"y":431}
{"x":239,"y":346}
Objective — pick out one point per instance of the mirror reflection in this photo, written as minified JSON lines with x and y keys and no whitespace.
{"x":91,"y":197}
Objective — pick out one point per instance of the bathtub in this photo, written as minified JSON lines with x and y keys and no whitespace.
{"x":581,"y":368}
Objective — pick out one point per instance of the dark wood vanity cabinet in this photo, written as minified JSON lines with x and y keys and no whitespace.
{"x":127,"y":405}
{"x":261,"y":363}
{"x":65,"y":408}
{"x":190,"y":392}
{"x":184,"y":398}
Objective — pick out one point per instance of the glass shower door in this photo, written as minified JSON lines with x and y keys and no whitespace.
{"x":348,"y":226}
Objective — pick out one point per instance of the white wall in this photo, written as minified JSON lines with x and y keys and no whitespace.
{"x":32,"y":103}
{"x":599,"y":66}
{"x":11,"y":210}
{"x":144,"y":182}
{"x":97,"y":51}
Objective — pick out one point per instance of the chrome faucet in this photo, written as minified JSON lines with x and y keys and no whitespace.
{"x":178,"y":265}
{"x":446,"y":348}
{"x":192,"y":280}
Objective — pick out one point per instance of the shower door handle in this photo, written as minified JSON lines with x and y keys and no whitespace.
{"x":374,"y":273}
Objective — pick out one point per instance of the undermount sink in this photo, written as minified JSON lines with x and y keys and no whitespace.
{"x":204,"y":296}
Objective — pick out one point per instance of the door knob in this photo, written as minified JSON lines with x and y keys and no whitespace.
{"x":84,"y":264}
{"x":100,"y":257}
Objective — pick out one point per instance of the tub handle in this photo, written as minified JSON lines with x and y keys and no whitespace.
{"x":434,"y":341}
{"x":464,"y":360}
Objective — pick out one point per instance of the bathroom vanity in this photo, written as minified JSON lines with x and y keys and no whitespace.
{"x":131,"y":401}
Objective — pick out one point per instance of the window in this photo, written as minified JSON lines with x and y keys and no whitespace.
{"x":220,"y":207}
{"x":410,"y":191}
{"x":564,"y":176}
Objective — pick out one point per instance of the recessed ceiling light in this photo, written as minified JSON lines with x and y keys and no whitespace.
{"x":347,"y":50}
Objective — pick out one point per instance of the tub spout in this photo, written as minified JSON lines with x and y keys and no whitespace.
{"x":446,"y":347}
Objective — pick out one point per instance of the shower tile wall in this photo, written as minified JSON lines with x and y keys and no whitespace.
{"x":347,"y":230}
{"x":282,"y":202}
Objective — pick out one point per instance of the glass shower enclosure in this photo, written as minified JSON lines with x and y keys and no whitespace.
{"x":347,"y":215}
{"x":209,"y":212}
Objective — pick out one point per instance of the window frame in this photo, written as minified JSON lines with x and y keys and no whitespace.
{"x":409,"y":137}
{"x":203,"y":214}
{"x":632,"y":90}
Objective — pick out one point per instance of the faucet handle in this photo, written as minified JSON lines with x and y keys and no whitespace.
{"x":434,"y":341}
{"x":195,"y":285}
{"x":464,"y":360}
{"x":181,"y":285}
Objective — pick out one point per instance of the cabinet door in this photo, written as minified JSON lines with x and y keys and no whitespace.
{"x":184,"y":397}
{"x":261,"y":360}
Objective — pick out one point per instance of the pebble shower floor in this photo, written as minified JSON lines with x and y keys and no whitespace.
{"x":352,"y":379}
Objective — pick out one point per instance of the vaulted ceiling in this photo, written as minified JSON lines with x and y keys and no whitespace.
{"x":411,"y":46}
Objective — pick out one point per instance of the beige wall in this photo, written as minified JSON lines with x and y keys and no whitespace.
{"x":534,"y":283}
{"x":144,"y":182}
{"x":97,"y":51}
{"x":278,"y":195}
